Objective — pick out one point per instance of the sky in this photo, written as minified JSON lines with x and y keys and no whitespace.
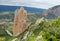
{"x":31,"y":3}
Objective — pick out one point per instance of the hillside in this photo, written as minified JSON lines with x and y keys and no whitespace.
{"x":40,"y":30}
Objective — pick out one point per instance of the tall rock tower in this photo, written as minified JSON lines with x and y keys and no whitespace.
{"x":20,"y":21}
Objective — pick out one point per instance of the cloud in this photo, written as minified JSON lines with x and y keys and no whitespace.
{"x":31,"y":3}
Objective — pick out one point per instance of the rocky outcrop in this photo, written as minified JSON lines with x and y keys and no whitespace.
{"x":21,"y":21}
{"x":52,"y":12}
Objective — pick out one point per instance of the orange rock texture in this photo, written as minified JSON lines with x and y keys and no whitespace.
{"x":20,"y":21}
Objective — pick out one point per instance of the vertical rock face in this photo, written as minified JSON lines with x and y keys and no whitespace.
{"x":20,"y":21}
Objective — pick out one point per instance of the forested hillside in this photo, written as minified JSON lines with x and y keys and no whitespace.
{"x":40,"y":30}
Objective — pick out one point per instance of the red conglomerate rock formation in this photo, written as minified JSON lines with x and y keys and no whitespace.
{"x":21,"y":21}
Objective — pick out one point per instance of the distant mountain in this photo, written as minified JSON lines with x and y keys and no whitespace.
{"x":55,"y":10}
{"x":13,"y":8}
{"x":52,"y":12}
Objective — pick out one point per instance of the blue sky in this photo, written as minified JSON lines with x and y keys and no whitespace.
{"x":31,"y":3}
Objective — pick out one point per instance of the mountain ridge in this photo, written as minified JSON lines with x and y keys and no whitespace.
{"x":13,"y":8}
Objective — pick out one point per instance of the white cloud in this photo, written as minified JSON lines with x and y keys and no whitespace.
{"x":31,"y":3}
